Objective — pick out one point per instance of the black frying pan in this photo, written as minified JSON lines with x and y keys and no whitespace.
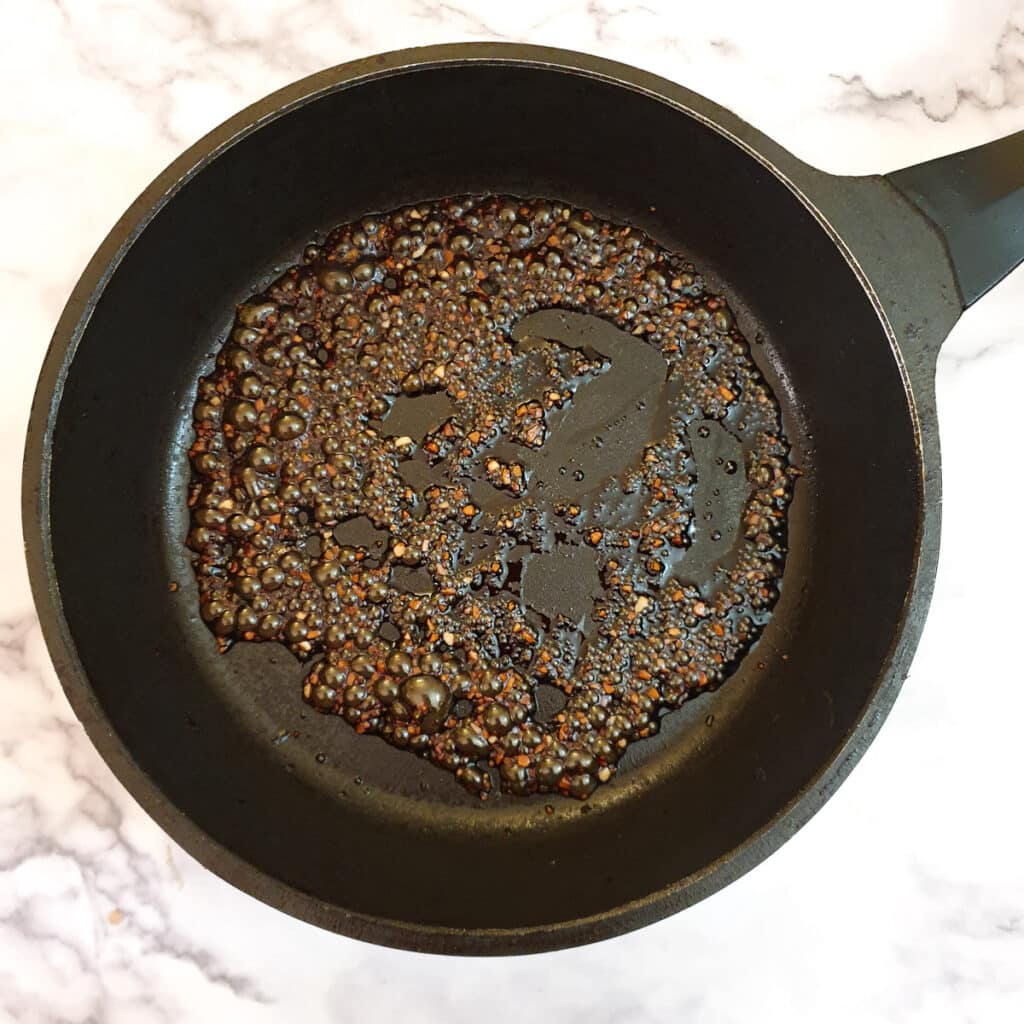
{"x":852,"y":284}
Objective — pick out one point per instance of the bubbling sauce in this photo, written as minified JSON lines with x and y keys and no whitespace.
{"x":469,"y":452}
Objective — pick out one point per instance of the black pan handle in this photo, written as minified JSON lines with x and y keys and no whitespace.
{"x":976,"y":200}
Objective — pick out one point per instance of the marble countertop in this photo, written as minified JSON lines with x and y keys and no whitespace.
{"x":902,"y":901}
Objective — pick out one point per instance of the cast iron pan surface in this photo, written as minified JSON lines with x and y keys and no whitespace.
{"x":372,"y":842}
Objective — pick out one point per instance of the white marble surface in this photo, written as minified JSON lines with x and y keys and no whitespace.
{"x":902,"y":901}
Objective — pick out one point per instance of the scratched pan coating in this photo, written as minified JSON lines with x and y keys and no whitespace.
{"x":849,"y":289}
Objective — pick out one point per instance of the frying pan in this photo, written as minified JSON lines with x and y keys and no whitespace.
{"x":848,"y":284}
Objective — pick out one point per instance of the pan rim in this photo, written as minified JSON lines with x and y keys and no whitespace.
{"x":61,"y":645}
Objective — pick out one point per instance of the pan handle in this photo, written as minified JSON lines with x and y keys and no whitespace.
{"x":976,"y":200}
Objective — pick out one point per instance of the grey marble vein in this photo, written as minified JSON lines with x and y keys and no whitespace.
{"x":1005,"y":66}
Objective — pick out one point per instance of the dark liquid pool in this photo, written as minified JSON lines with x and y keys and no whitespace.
{"x":504,"y":473}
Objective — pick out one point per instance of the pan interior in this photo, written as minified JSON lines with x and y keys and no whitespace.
{"x":364,"y":827}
